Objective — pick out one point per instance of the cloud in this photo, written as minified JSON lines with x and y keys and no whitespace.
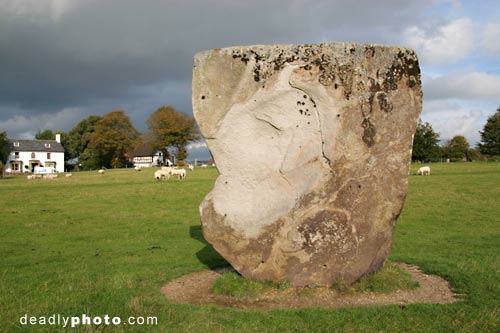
{"x":446,"y":43}
{"x":25,"y":127}
{"x":61,"y":53}
{"x":452,"y":118}
{"x":472,"y":85}
{"x":491,"y":38}
{"x":62,"y":60}
{"x":197,"y":145}
{"x":198,"y":150}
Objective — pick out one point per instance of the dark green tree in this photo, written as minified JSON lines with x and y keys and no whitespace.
{"x":457,"y":149}
{"x":169,"y":128}
{"x":425,"y":143}
{"x":4,"y":147}
{"x":4,"y":151}
{"x":113,"y":137}
{"x":46,"y":134}
{"x":490,"y":135}
{"x":77,"y":140}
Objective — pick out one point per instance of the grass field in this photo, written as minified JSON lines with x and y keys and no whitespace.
{"x":105,"y":244}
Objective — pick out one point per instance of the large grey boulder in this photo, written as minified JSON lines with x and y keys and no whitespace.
{"x":313,"y":145}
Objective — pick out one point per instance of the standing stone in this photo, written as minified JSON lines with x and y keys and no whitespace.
{"x":313,"y":145}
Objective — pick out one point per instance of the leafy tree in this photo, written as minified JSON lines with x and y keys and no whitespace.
{"x":113,"y":137}
{"x":46,"y":134}
{"x":78,"y":139}
{"x":172,"y":129}
{"x":4,"y":151}
{"x":4,"y":147}
{"x":425,"y":143}
{"x":490,"y":135}
{"x":457,"y":149}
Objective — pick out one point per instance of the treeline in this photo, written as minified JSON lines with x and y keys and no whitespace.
{"x":426,"y":147}
{"x":106,"y":141}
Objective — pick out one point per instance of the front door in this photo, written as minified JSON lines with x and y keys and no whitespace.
{"x":33,"y":164}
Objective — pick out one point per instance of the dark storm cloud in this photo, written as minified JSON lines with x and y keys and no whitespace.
{"x":91,"y":55}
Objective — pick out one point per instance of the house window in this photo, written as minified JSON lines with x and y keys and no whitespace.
{"x":32,"y":155}
{"x":16,"y":144}
{"x":16,"y":154}
{"x":48,"y":156}
{"x":47,"y":145}
{"x":16,"y":166}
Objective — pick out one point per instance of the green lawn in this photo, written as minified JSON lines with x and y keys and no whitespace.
{"x":105,"y":244}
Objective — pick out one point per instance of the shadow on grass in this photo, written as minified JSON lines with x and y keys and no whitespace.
{"x":207,"y":256}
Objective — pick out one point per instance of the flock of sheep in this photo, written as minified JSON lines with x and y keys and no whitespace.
{"x":166,"y":172}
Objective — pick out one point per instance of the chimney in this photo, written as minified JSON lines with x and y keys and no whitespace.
{"x":58,"y":137}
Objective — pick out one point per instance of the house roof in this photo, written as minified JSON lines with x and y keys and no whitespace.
{"x":144,"y":149}
{"x":50,"y":146}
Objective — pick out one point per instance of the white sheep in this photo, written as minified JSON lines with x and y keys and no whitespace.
{"x":180,"y":172}
{"x":159,"y":174}
{"x":425,"y":170}
{"x":101,"y":171}
{"x":68,"y":175}
{"x":137,"y":168}
{"x":166,"y":171}
{"x":191,"y":167}
{"x":203,"y":166}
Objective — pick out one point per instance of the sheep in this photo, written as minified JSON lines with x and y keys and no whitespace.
{"x":425,"y":170}
{"x":159,"y":174}
{"x":203,"y":166}
{"x":101,"y":171}
{"x":68,"y":175}
{"x":191,"y":167}
{"x":137,"y":168}
{"x":30,"y":177}
{"x":50,"y":176}
{"x":180,"y":172}
{"x":166,"y":171}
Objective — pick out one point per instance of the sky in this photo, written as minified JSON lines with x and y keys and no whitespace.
{"x":63,"y":60}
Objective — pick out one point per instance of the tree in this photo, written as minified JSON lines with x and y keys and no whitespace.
{"x":4,"y":151}
{"x":78,"y":138}
{"x":457,"y":149}
{"x":113,"y":137}
{"x":172,"y":129}
{"x":490,"y":135}
{"x":4,"y":147}
{"x":425,"y":143}
{"x":46,"y":134}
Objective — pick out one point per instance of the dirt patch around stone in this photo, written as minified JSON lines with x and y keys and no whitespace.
{"x":196,"y":288}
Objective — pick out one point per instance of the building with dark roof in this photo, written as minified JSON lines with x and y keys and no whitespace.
{"x":25,"y":155}
{"x":145,"y":156}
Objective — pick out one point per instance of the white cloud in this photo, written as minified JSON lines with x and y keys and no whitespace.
{"x":450,"y":119}
{"x":447,"y":43}
{"x":19,"y":126}
{"x":198,"y":150}
{"x":491,"y":38}
{"x":32,"y":9}
{"x":471,"y":85}
{"x":197,"y":145}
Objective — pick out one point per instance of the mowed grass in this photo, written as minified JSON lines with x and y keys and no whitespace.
{"x":105,"y":244}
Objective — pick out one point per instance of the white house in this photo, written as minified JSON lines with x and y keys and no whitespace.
{"x":25,"y":155}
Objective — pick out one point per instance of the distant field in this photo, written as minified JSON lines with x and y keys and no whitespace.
{"x":105,"y":244}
